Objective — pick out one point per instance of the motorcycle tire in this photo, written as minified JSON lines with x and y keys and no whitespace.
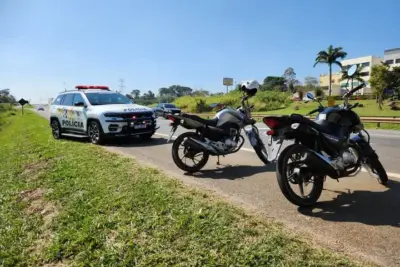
{"x":261,"y":155}
{"x":177,"y":160}
{"x":375,"y":164}
{"x":284,"y":183}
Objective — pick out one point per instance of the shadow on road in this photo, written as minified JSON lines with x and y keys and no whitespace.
{"x":229,"y":172}
{"x":371,"y":208}
{"x":137,"y":142}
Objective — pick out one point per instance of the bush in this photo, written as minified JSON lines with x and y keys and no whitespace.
{"x":263,"y":101}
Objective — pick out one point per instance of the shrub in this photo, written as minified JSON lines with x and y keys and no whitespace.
{"x":263,"y":101}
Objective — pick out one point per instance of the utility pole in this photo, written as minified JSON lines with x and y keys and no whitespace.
{"x":121,"y":85}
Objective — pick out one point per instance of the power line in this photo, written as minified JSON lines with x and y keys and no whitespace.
{"x":121,"y":85}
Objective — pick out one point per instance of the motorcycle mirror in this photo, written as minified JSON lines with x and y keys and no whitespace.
{"x":351,"y":70}
{"x":213,"y":105}
{"x":310,"y":96}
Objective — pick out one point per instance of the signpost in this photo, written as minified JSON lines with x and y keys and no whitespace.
{"x":227,"y":82}
{"x":23,"y":102}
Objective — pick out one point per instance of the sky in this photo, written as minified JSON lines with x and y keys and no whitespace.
{"x":45,"y":44}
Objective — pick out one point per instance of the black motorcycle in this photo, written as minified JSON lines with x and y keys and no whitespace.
{"x":321,"y":148}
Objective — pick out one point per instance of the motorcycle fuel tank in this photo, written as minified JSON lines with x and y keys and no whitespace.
{"x":334,"y":119}
{"x":229,"y":116}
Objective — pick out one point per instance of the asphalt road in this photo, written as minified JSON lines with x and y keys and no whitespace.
{"x":356,"y":215}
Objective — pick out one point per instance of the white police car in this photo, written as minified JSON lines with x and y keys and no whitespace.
{"x":98,"y":113}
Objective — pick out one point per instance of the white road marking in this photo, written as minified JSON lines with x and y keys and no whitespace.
{"x":390,"y":174}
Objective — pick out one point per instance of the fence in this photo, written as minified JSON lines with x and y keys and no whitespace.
{"x":377,"y":120}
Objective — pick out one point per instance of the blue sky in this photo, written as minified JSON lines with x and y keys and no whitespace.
{"x":156,"y":43}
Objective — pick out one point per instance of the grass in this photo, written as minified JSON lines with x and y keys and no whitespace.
{"x":73,"y":203}
{"x":6,"y":111}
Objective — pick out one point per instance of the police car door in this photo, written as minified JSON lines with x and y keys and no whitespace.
{"x":79,"y":112}
{"x":68,"y":121}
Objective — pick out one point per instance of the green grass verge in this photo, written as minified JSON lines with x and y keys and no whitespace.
{"x":6,"y":111}
{"x":73,"y":202}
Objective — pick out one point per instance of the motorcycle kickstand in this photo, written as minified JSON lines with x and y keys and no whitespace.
{"x":218,"y":163}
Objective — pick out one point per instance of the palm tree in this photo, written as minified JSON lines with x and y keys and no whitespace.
{"x":330,"y":57}
{"x":356,"y":76}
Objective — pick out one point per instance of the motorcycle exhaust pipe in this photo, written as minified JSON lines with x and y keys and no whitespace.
{"x":320,"y":165}
{"x":200,"y":146}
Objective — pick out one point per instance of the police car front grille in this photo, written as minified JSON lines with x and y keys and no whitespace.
{"x":129,"y":115}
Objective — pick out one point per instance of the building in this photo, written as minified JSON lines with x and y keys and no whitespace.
{"x":392,"y":57}
{"x":339,"y":86}
{"x":324,"y":82}
{"x":367,"y":62}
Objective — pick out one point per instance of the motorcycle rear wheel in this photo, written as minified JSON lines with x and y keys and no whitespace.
{"x":179,"y":162}
{"x":284,"y":183}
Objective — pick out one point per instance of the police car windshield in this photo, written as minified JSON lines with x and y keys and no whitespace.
{"x":96,"y":99}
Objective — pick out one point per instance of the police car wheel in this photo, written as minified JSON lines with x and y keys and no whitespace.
{"x":95,"y":133}
{"x":56,"y":129}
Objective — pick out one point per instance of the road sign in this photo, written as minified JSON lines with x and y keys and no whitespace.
{"x":23,"y":102}
{"x":227,"y":81}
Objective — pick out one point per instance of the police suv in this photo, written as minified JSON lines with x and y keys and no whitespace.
{"x":98,"y":112}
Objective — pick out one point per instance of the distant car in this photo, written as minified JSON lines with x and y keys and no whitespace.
{"x":40,"y":108}
{"x":163,"y":109}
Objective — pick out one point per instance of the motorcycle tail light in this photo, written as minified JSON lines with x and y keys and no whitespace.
{"x":271,"y":123}
{"x":171,"y":117}
{"x":270,"y":132}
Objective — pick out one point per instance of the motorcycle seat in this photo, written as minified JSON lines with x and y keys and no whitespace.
{"x":211,"y":122}
{"x":321,"y":128}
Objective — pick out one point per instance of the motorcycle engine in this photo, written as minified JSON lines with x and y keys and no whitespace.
{"x":226,"y":144}
{"x":348,"y":157}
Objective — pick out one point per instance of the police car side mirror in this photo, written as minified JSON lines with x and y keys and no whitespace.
{"x":79,"y":104}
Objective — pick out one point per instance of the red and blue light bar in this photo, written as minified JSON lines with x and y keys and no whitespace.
{"x":98,"y":87}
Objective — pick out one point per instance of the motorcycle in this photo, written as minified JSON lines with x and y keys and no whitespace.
{"x":219,"y":136}
{"x":324,"y":147}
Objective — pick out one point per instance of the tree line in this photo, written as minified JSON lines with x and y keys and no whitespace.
{"x":7,"y":97}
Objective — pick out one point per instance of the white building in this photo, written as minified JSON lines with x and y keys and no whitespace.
{"x":367,"y":62}
{"x":392,"y":57}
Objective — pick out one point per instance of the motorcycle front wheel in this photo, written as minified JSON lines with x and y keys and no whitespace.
{"x":190,"y":155}
{"x":259,"y":148}
{"x":377,"y":170}
{"x":287,"y":174}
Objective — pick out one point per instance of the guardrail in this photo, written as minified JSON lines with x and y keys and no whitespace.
{"x":377,"y":120}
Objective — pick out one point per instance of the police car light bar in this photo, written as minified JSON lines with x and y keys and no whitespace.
{"x":85,"y":87}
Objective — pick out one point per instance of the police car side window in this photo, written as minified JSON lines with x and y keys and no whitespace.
{"x":78,"y":98}
{"x":57,"y":101}
{"x":67,"y":101}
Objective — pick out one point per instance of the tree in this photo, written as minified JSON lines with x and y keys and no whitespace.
{"x":394,"y":79}
{"x":135,"y":93}
{"x":6,"y":96}
{"x":290,"y":79}
{"x":331,"y":57}
{"x":273,"y":82}
{"x":130,"y":97}
{"x":356,"y":76}
{"x":311,"y":81}
{"x":149,"y":95}
{"x":379,"y":81}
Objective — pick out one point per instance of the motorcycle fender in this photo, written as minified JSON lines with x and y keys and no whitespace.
{"x":251,"y":134}
{"x":366,"y":149}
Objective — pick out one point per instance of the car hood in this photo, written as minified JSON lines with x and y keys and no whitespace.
{"x":172,"y":109}
{"x":120,"y":108}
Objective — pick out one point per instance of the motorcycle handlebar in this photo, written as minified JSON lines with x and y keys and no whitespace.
{"x":354,"y":90}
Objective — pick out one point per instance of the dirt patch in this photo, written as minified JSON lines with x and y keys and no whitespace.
{"x":57,"y":264}
{"x":32,"y":170}
{"x":36,"y":204}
